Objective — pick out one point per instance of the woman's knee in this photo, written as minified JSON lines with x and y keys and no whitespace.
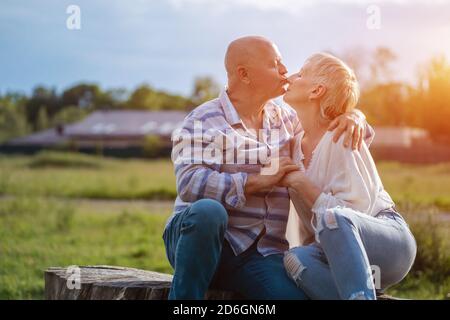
{"x":209,"y":213}
{"x":335,"y":220}
{"x":397,"y":265}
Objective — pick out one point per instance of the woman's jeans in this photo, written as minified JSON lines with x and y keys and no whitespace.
{"x":357,"y":254}
{"x":202,"y":259}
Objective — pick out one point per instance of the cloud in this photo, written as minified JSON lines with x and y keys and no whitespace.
{"x":169,"y":42}
{"x":292,"y":6}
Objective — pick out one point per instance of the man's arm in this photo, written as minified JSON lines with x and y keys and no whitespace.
{"x":355,"y":127}
{"x":195,"y":182}
{"x":265,"y":182}
{"x":197,"y":177}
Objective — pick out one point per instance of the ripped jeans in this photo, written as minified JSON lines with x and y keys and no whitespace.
{"x":357,"y":255}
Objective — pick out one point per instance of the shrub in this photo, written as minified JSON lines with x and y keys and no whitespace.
{"x":152,"y":146}
{"x":63,"y":160}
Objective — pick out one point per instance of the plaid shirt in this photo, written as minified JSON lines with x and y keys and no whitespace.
{"x":221,"y":176}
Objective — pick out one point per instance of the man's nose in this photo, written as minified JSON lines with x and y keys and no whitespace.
{"x":290,"y":79}
{"x":283,"y":69}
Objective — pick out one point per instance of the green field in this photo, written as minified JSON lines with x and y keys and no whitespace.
{"x":45,"y":219}
{"x":80,"y":176}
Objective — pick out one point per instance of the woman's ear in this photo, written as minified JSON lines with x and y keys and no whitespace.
{"x":242,"y":73}
{"x":317,"y":92}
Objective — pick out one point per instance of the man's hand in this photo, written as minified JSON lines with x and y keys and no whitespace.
{"x":292,"y":178}
{"x":265,"y":182}
{"x":352,"y":123}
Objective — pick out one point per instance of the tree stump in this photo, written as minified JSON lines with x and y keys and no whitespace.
{"x":113,"y":283}
{"x":120,"y":283}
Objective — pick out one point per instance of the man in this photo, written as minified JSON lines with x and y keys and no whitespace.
{"x":229,"y":222}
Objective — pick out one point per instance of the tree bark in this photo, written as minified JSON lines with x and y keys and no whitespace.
{"x":113,"y":283}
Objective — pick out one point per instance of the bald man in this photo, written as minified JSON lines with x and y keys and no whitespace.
{"x":229,"y":222}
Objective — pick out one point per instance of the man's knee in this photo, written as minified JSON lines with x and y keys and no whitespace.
{"x":296,"y":262}
{"x":209,"y":213}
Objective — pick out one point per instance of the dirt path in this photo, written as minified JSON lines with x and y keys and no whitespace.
{"x":161,"y":206}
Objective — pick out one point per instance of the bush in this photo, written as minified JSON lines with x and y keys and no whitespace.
{"x":433,"y":247}
{"x":152,"y":146}
{"x":63,"y":160}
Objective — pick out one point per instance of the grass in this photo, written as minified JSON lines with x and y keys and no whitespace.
{"x":429,"y":277}
{"x":81,"y":176}
{"x":36,"y":233}
{"x":43,"y":224}
{"x":417,"y":185}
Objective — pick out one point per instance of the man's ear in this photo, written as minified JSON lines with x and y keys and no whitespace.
{"x":242,"y":73}
{"x":317,"y":92}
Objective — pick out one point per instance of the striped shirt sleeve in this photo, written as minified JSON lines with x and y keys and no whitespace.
{"x":198,"y":173}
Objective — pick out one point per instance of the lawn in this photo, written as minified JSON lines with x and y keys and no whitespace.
{"x":79,"y":176}
{"x":36,"y":233}
{"x":44,"y":223}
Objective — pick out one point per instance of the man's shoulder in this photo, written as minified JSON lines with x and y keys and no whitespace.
{"x":211,"y":108}
{"x":285,"y":110}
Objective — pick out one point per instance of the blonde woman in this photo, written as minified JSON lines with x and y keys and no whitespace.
{"x":351,"y":233}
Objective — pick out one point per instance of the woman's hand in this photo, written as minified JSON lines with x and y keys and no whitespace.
{"x":267,"y":179}
{"x":303,"y":187}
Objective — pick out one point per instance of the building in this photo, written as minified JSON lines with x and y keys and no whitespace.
{"x":119,"y":133}
{"x":401,"y":137}
{"x":125,"y":133}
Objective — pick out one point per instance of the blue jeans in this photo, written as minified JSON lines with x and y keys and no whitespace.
{"x":203,"y":259}
{"x":357,"y":254}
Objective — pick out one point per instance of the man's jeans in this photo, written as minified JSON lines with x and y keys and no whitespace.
{"x":196,"y":249}
{"x":354,"y":250}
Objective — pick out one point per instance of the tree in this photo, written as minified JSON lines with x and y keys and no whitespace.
{"x":356,"y":58}
{"x":385,"y":104}
{"x":114,"y":98}
{"x":380,"y":67}
{"x":42,"y":97}
{"x":434,"y":95}
{"x":13,"y":121}
{"x":145,"y":97}
{"x":42,"y":121}
{"x":82,"y":95}
{"x":69,"y":114}
{"x":205,"y":88}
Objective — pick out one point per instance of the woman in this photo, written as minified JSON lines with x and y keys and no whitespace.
{"x":352,"y":235}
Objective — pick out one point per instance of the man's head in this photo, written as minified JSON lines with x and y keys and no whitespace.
{"x":254,"y":65}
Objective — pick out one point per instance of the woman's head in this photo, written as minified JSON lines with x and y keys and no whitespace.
{"x":327,"y":82}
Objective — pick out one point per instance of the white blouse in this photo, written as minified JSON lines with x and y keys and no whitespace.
{"x":347,"y":178}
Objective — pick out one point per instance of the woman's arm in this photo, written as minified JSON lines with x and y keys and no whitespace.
{"x":356,"y":129}
{"x":303,"y":187}
{"x":350,"y":181}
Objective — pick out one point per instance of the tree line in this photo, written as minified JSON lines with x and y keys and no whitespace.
{"x":45,"y":107}
{"x":386,"y":102}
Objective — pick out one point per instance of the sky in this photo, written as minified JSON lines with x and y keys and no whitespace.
{"x":167,"y":43}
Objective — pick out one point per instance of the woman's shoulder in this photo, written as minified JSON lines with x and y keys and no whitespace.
{"x":327,"y":143}
{"x":337,"y":150}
